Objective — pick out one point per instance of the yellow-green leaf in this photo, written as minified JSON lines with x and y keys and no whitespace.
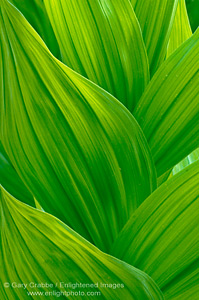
{"x":36,"y":249}
{"x":156,"y":19}
{"x":102,"y":40}
{"x":168,"y":111}
{"x":191,"y":158}
{"x":181,"y":29}
{"x":35,"y":12}
{"x":161,"y":238}
{"x":73,"y":144}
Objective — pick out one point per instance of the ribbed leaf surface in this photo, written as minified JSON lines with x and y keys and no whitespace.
{"x":73,"y":144}
{"x":168,"y":110}
{"x":102,"y":40}
{"x":36,"y":248}
{"x":35,"y":12}
{"x":191,"y":158}
{"x":161,"y":238}
{"x":181,"y":29}
{"x":156,"y":19}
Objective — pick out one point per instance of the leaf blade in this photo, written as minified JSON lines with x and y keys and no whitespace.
{"x":156,"y":19}
{"x":11,"y":181}
{"x":181,"y":29}
{"x":168,"y":109}
{"x":102,"y":41}
{"x":161,"y":237}
{"x":35,"y":12}
{"x":53,"y":253}
{"x":76,"y":133}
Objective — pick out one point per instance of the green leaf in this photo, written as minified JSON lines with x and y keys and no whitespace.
{"x":102,"y":41}
{"x":38,"y":248}
{"x":161,"y":238}
{"x":81,"y":149}
{"x":35,"y":12}
{"x":11,"y":181}
{"x":193,"y":8}
{"x":181,"y":29}
{"x":168,"y":110}
{"x":187,"y":289}
{"x":191,"y":158}
{"x":37,"y":205}
{"x":156,"y":19}
{"x":161,"y":179}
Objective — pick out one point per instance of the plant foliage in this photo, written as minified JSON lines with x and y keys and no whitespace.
{"x":99,"y":168}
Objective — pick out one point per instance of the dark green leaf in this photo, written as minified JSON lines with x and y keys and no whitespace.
{"x":11,"y":181}
{"x":193,"y":8}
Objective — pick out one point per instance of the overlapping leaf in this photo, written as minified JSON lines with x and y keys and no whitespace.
{"x":156,"y":19}
{"x":181,"y":29}
{"x":11,"y":181}
{"x":193,"y":8}
{"x":73,"y":144}
{"x":77,"y":147}
{"x":161,"y":238}
{"x":161,"y":179}
{"x":102,"y":41}
{"x":38,"y":248}
{"x":35,"y":12}
{"x":168,"y":110}
{"x":191,"y":158}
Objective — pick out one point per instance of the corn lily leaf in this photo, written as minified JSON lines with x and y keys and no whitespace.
{"x":102,"y":41}
{"x":11,"y":181}
{"x":37,"y":205}
{"x":181,"y":29}
{"x":193,"y":8}
{"x":168,"y":110}
{"x":161,"y":179}
{"x":191,"y":158}
{"x":161,"y":238}
{"x":35,"y":12}
{"x":72,"y":143}
{"x":37,"y":248}
{"x":156,"y":19}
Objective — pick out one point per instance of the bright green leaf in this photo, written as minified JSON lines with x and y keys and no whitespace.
{"x":161,"y":238}
{"x":156,"y":20}
{"x":37,"y":248}
{"x":35,"y":12}
{"x":168,"y":110}
{"x":102,"y":41}
{"x":11,"y":181}
{"x":191,"y":158}
{"x":181,"y":29}
{"x":73,"y":144}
